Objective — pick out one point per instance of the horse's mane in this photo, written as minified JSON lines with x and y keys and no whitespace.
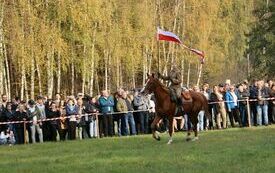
{"x":162,"y":85}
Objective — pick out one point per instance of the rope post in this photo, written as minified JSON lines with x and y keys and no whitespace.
{"x":25,"y":134}
{"x":248,"y":112}
{"x":97,"y":125}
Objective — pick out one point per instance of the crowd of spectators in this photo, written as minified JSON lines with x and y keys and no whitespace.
{"x":129,"y":113}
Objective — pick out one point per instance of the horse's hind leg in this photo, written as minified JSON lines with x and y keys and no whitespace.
{"x":195,"y":126}
{"x":189,"y":126}
{"x":171,"y":130}
{"x":154,"y":127}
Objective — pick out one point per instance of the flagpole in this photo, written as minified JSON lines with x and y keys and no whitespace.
{"x":199,"y":77}
{"x":158,"y":56}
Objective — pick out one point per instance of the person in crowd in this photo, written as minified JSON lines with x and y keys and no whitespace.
{"x":72,"y":112}
{"x":127,"y":119}
{"x":231,"y":98}
{"x":58,"y":101}
{"x":142,"y":104}
{"x":40,"y":104}
{"x":253,"y":105}
{"x":9,"y":113}
{"x":262,"y":104}
{"x":272,"y":95}
{"x":117,"y":116}
{"x":219,"y":107}
{"x":15,"y":102}
{"x":92,"y":109}
{"x":106,"y":103}
{"x":270,"y":105}
{"x":7,"y":138}
{"x":243,"y":95}
{"x":4,"y":102}
{"x":81,"y":123}
{"x":3,"y":118}
{"x":53,"y":112}
{"x":20,"y":115}
{"x":62,"y":124}
{"x":34,"y":115}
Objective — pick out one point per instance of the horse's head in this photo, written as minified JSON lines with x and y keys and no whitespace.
{"x":150,"y":85}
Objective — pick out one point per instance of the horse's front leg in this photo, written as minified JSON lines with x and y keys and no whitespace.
{"x":171,"y":130}
{"x":154,"y":126}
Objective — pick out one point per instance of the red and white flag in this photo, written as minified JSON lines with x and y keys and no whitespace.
{"x":200,"y":53}
{"x":167,"y":36}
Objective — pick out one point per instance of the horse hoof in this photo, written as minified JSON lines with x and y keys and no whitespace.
{"x":158,"y":138}
{"x":169,"y":142}
{"x":188,"y":139}
{"x":195,"y":139}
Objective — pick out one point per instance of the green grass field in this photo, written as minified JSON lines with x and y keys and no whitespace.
{"x":233,"y":150}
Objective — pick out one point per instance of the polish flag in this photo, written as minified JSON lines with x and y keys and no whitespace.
{"x":168,"y":36}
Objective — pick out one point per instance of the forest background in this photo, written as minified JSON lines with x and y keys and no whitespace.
{"x":70,"y":46}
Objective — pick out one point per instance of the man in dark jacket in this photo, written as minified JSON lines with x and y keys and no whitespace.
{"x":243,"y":95}
{"x":174,"y":77}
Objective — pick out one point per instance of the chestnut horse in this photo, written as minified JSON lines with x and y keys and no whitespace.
{"x":165,"y":107}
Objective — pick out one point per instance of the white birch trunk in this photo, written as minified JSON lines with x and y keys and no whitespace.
{"x":72,"y":67}
{"x":39,"y":77}
{"x":8,"y":92}
{"x":1,"y":47}
{"x":188,"y":75}
{"x":22,"y":82}
{"x":50,"y":73}
{"x":106,"y":69}
{"x":93,"y":62}
{"x":32,"y":77}
{"x":58,"y":72}
{"x":84,"y":70}
{"x":26,"y":87}
{"x":117,"y":72}
{"x":4,"y":79}
{"x":182,"y":70}
{"x":92,"y":76}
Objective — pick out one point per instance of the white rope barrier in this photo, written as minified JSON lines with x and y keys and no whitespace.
{"x":117,"y":113}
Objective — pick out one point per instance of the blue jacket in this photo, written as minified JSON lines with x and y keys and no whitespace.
{"x":230,"y":100}
{"x":71,"y":110}
{"x":106,"y":105}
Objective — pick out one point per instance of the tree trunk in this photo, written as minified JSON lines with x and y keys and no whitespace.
{"x":4,"y":79}
{"x":32,"y":77}
{"x":182,"y":71}
{"x":84,"y":70}
{"x":188,"y":75}
{"x":1,"y":47}
{"x":39,"y":77}
{"x":50,"y":73}
{"x":26,"y":87}
{"x":106,"y":69}
{"x":58,"y":72}
{"x":22,"y":82}
{"x":72,"y":67}
{"x":117,"y":73}
{"x":93,"y":62}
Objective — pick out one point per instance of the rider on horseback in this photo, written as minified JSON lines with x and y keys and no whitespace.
{"x":174,"y":78}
